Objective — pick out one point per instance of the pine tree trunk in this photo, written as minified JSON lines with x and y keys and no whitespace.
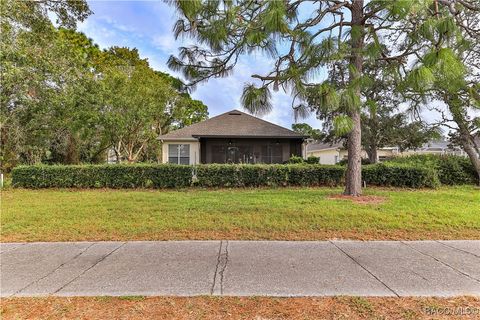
{"x":354,"y":145}
{"x":354,"y":167}
{"x":466,"y":140}
{"x":472,"y":154}
{"x":373,"y":155}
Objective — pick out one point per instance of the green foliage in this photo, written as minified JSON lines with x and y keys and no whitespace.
{"x":65,"y":101}
{"x":399,"y":175}
{"x":174,"y":176}
{"x":190,"y":112}
{"x":326,"y":97}
{"x":451,"y":169}
{"x":274,"y":17}
{"x":102,"y":176}
{"x":344,"y":162}
{"x":350,"y":99}
{"x":421,"y":78}
{"x":256,"y":100}
{"x":441,"y":67}
{"x":316,"y":175}
{"x":342,"y":124}
{"x":313,"y":160}
{"x":295,"y":159}
{"x":139,"y":103}
{"x":218,"y":176}
{"x":341,"y":36}
{"x":307,"y":130}
{"x":35,"y":15}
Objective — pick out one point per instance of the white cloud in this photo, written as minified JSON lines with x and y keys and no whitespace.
{"x":165,"y":42}
{"x":147,"y":26}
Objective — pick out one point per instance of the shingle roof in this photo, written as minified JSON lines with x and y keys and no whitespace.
{"x":320,"y":145}
{"x":232,"y":124}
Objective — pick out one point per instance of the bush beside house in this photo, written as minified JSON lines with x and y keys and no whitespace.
{"x":400,"y":175}
{"x":451,"y":169}
{"x":175,"y":176}
{"x":102,"y":176}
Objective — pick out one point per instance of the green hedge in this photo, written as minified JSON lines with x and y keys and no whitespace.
{"x":102,"y":176}
{"x":398,"y":175}
{"x":215,"y":175}
{"x":451,"y":169}
{"x":219,"y":175}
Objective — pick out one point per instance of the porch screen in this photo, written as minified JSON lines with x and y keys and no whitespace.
{"x":244,"y":152}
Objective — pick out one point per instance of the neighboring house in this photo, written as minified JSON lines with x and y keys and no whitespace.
{"x":333,"y":153}
{"x":437,"y":147}
{"x":232,"y":137}
{"x":326,"y":152}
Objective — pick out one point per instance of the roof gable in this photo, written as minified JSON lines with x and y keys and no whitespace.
{"x":232,"y":124}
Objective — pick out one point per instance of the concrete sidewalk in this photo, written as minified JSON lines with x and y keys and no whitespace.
{"x":241,"y":268}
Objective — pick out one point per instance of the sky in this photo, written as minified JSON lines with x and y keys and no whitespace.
{"x":147,"y":26}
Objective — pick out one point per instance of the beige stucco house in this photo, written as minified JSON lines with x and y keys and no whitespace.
{"x":232,"y":137}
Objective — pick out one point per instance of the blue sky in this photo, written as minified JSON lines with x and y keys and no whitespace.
{"x":147,"y":25}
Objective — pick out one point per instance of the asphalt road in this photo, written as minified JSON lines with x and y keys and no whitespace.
{"x":241,"y":268}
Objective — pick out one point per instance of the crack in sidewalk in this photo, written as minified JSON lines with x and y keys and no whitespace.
{"x":216,"y":268}
{"x":54,"y":270}
{"x":222,"y":260}
{"x":440,"y":261}
{"x":93,"y":265}
{"x":222,"y":271}
{"x":364,"y":268}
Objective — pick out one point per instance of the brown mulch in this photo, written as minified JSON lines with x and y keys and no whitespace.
{"x":258,"y":308}
{"x":360,"y":199}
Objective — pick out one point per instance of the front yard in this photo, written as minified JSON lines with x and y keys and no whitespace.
{"x":273,"y":214}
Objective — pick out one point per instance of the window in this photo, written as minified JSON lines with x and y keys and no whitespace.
{"x":179,"y":153}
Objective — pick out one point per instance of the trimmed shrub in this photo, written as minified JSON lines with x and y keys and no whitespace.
{"x":216,"y":176}
{"x":103,"y":176}
{"x":295,"y":159}
{"x":248,"y":175}
{"x":313,"y":160}
{"x":344,"y":162}
{"x":316,"y":175}
{"x":399,"y":175}
{"x":452,"y":170}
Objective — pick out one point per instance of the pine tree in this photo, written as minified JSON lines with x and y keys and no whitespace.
{"x":447,"y":69}
{"x":302,"y":38}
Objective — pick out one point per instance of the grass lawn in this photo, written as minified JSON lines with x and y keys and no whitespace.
{"x":289,"y":214}
{"x":240,"y":308}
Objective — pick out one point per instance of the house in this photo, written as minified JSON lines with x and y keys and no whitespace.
{"x":333,"y":153}
{"x":327,"y":153}
{"x":232,"y":137}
